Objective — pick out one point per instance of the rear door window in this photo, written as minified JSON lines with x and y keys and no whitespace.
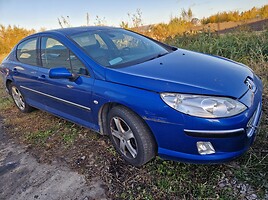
{"x":26,"y":52}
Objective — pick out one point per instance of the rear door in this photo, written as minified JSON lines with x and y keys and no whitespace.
{"x":25,"y":70}
{"x":63,"y":97}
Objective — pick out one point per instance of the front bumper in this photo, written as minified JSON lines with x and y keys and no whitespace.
{"x":230,"y":137}
{"x":222,"y":139}
{"x":252,"y":127}
{"x":228,"y":144}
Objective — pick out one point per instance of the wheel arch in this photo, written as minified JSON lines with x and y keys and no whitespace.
{"x":103,"y":114}
{"x":8,"y":83}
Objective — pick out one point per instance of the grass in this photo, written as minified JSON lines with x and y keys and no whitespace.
{"x":5,"y":100}
{"x":69,"y":133}
{"x":39,"y":137}
{"x":66,"y":132}
{"x":159,"y":179}
{"x":180,"y":182}
{"x":245,"y":47}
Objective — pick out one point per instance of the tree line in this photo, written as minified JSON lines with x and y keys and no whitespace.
{"x":238,"y":16}
{"x":10,"y":35}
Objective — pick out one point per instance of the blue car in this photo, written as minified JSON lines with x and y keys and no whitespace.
{"x":150,"y":98}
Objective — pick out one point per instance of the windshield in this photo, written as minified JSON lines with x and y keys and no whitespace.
{"x":118,"y":47}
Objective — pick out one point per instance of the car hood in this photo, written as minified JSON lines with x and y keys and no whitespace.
{"x":185,"y":72}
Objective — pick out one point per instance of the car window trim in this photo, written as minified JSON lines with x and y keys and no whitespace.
{"x":69,"y":50}
{"x":36,"y":50}
{"x":39,"y":52}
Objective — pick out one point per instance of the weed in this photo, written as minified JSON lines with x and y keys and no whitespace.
{"x":112,"y":151}
{"x":5,"y":103}
{"x":69,"y":135}
{"x":39,"y":137}
{"x":5,"y":100}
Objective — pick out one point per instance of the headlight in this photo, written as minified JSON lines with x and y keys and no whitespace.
{"x":203,"y":106}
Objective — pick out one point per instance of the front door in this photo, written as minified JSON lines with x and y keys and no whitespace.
{"x":64,"y":97}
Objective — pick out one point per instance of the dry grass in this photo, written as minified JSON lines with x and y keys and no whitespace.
{"x":2,"y":56}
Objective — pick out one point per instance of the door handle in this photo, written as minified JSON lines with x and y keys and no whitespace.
{"x":70,"y":86}
{"x":15,"y":70}
{"x":42,"y":76}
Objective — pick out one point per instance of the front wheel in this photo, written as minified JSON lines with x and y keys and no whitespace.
{"x":130,"y":136}
{"x":19,"y":99}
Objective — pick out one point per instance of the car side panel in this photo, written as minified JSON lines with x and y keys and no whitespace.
{"x":69,"y":99}
{"x":24,"y":75}
{"x":168,"y":125}
{"x":147,"y":104}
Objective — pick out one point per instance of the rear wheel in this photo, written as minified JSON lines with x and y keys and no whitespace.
{"x":130,"y":136}
{"x":19,"y":99}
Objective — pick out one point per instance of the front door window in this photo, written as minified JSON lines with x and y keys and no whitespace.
{"x":55,"y":54}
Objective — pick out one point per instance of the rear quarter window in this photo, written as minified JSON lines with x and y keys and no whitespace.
{"x":26,"y":52}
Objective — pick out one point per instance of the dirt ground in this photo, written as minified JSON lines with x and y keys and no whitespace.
{"x":55,"y":143}
{"x":23,"y":177}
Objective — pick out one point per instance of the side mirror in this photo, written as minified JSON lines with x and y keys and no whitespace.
{"x":62,"y":73}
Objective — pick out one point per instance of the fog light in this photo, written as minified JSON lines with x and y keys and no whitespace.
{"x":205,"y":148}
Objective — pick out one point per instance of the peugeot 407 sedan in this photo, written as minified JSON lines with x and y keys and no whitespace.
{"x":150,"y":98}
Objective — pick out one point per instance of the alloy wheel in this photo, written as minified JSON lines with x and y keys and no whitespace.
{"x":18,"y":98}
{"x":124,"y":137}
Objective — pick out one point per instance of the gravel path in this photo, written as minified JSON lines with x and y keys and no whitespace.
{"x":22,"y":177}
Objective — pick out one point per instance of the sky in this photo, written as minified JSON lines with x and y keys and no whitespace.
{"x":36,"y":14}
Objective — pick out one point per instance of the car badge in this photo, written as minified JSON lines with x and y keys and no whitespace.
{"x":250,"y":84}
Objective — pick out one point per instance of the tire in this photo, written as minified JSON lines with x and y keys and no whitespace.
{"x":19,"y":99}
{"x":130,"y":136}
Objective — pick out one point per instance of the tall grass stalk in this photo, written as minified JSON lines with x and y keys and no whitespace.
{"x":245,"y":47}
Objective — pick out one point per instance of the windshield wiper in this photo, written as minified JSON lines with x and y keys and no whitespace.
{"x":158,"y":56}
{"x":154,"y":57}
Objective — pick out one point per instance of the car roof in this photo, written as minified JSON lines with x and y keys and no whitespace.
{"x":74,"y":30}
